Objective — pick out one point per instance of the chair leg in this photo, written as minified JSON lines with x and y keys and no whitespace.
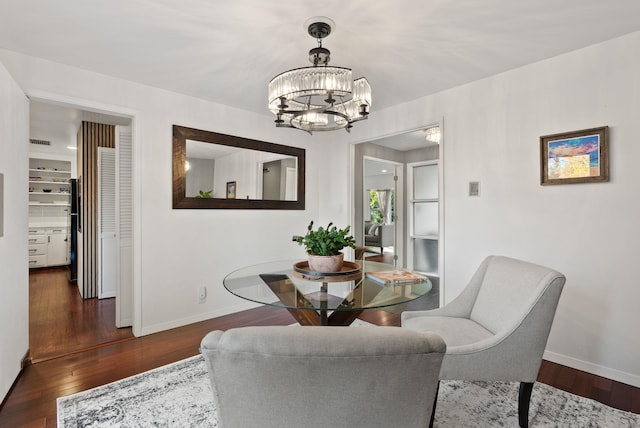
{"x":524,"y":397}
{"x":433,"y":409}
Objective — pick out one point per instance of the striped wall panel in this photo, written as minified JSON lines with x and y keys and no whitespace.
{"x":92,"y":136}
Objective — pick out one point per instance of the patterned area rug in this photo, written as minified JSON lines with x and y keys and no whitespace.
{"x":179,"y":395}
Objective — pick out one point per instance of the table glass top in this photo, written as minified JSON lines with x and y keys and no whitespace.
{"x":279,"y":284}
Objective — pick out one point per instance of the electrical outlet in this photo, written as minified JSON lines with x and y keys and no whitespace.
{"x":202,"y":294}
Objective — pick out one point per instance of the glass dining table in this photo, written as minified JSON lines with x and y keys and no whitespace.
{"x":315,"y":298}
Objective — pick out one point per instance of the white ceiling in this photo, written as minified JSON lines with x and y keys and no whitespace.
{"x":406,"y":141}
{"x":374,"y":168}
{"x":228,"y":51}
{"x":200,"y":150}
{"x":59,"y":125}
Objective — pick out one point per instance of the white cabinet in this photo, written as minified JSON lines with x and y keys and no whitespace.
{"x":424,"y":217}
{"x":48,"y":246}
{"x":49,"y":205}
{"x":58,"y":248}
{"x":37,"y":248}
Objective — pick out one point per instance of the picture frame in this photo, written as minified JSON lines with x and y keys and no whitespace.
{"x":231,"y":189}
{"x":575,"y":157}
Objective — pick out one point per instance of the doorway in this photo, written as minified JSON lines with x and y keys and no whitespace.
{"x":381,"y":222}
{"x":60,"y":320}
{"x":393,"y":152}
{"x":403,"y":152}
{"x":277,"y":180}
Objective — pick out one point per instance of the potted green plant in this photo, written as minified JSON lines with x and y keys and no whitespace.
{"x":324,"y":246}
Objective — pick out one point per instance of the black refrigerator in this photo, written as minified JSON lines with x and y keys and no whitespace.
{"x":73,"y":232}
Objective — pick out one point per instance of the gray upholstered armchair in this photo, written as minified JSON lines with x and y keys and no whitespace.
{"x":497,"y":328}
{"x":323,"y":376}
{"x":378,"y":235}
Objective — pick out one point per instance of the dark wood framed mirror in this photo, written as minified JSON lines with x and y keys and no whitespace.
{"x":219,"y":171}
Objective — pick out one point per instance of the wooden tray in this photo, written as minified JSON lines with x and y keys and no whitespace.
{"x":349,"y":271}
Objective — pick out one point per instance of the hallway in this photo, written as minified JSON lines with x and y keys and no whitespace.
{"x":61,"y":322}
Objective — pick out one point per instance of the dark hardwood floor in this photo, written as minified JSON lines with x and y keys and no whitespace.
{"x":32,"y":400}
{"x":378,"y":257}
{"x":61,"y":322}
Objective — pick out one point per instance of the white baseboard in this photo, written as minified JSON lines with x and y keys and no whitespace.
{"x":126,"y":322}
{"x":155,"y":328}
{"x":585,"y":366}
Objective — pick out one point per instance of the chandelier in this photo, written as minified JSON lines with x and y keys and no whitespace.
{"x":319,"y":98}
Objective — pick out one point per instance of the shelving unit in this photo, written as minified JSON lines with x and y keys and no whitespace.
{"x":424,"y":206}
{"x":49,"y":205}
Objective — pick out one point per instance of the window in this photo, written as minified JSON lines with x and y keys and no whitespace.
{"x":382,"y":204}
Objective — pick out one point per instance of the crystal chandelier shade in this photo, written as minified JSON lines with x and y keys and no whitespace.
{"x":309,"y":81}
{"x":319,"y":98}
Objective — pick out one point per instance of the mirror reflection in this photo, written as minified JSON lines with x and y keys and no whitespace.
{"x":218,"y":171}
{"x":212,"y":170}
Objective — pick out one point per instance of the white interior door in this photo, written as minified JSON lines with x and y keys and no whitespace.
{"x":124,"y":226}
{"x":106,"y":222}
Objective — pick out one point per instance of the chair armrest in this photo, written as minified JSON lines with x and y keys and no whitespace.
{"x":445,"y":311}
{"x":210,"y":341}
{"x":460,"y":307}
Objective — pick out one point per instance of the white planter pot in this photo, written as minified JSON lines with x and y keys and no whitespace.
{"x":326,"y":264}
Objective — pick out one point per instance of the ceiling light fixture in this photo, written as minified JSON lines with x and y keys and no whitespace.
{"x":432,"y":134}
{"x":319,"y":98}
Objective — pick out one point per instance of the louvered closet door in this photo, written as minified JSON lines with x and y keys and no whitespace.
{"x":124,"y":227}
{"x":106,"y":222}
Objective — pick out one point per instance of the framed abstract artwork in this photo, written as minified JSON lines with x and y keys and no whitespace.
{"x":575,"y":157}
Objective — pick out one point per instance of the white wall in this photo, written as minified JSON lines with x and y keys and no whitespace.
{"x":379,"y":182}
{"x":241,"y":167}
{"x":199,"y":177}
{"x":590,"y":232}
{"x":14,"y":282}
{"x":179,"y":250}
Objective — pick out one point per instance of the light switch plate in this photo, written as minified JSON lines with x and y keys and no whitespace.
{"x":474,"y":188}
